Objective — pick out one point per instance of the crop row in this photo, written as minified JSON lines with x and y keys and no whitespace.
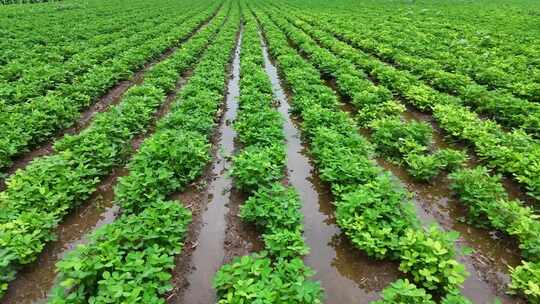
{"x":5,"y":2}
{"x":37,"y":198}
{"x":24,"y":125}
{"x":18,"y":38}
{"x":34,"y":25}
{"x":505,"y":67}
{"x":32,"y":79}
{"x":405,"y":143}
{"x":482,"y":194}
{"x":489,"y":206}
{"x":514,"y":153}
{"x":373,"y":211}
{"x":129,"y":261}
{"x":34,"y":38}
{"x":278,"y":274}
{"x":508,"y":110}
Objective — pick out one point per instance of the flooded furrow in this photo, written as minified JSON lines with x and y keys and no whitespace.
{"x":493,"y":252}
{"x":34,"y":281}
{"x":513,"y":188}
{"x":208,"y":253}
{"x":112,"y":97}
{"x":346,"y":274}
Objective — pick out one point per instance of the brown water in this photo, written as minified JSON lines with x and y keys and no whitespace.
{"x":493,"y":252}
{"x":347,"y":275}
{"x":209,"y":251}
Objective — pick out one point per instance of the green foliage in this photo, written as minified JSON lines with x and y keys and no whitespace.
{"x":525,"y":281}
{"x":395,"y":139}
{"x":285,"y":243}
{"x":167,"y":162}
{"x":38,"y":197}
{"x":341,"y":159}
{"x":457,"y":298}
{"x":426,"y":167}
{"x":268,"y":131}
{"x":429,"y":256}
{"x":258,"y":279}
{"x":375,"y":216}
{"x":276,"y":275}
{"x":257,"y":166}
{"x":126,"y":261}
{"x":403,"y":292}
{"x":510,"y":152}
{"x":344,"y":158}
{"x":452,"y":159}
{"x":51,"y":91}
{"x":489,"y":206}
{"x":129,"y":261}
{"x":272,"y":208}
{"x":423,"y":167}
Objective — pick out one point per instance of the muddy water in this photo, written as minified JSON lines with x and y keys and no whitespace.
{"x":208,"y":254}
{"x":493,"y":252}
{"x":346,"y":275}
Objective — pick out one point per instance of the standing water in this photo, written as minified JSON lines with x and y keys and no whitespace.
{"x":346,"y":275}
{"x":208,"y":254}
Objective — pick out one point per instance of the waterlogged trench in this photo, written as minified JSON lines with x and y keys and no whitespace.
{"x":345,"y":273}
{"x":434,"y":202}
{"x":209,"y":252}
{"x":34,"y":281}
{"x":493,"y":251}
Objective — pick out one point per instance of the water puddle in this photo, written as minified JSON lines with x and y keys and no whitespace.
{"x":345,"y":273}
{"x":488,"y":266}
{"x":209,"y":252}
